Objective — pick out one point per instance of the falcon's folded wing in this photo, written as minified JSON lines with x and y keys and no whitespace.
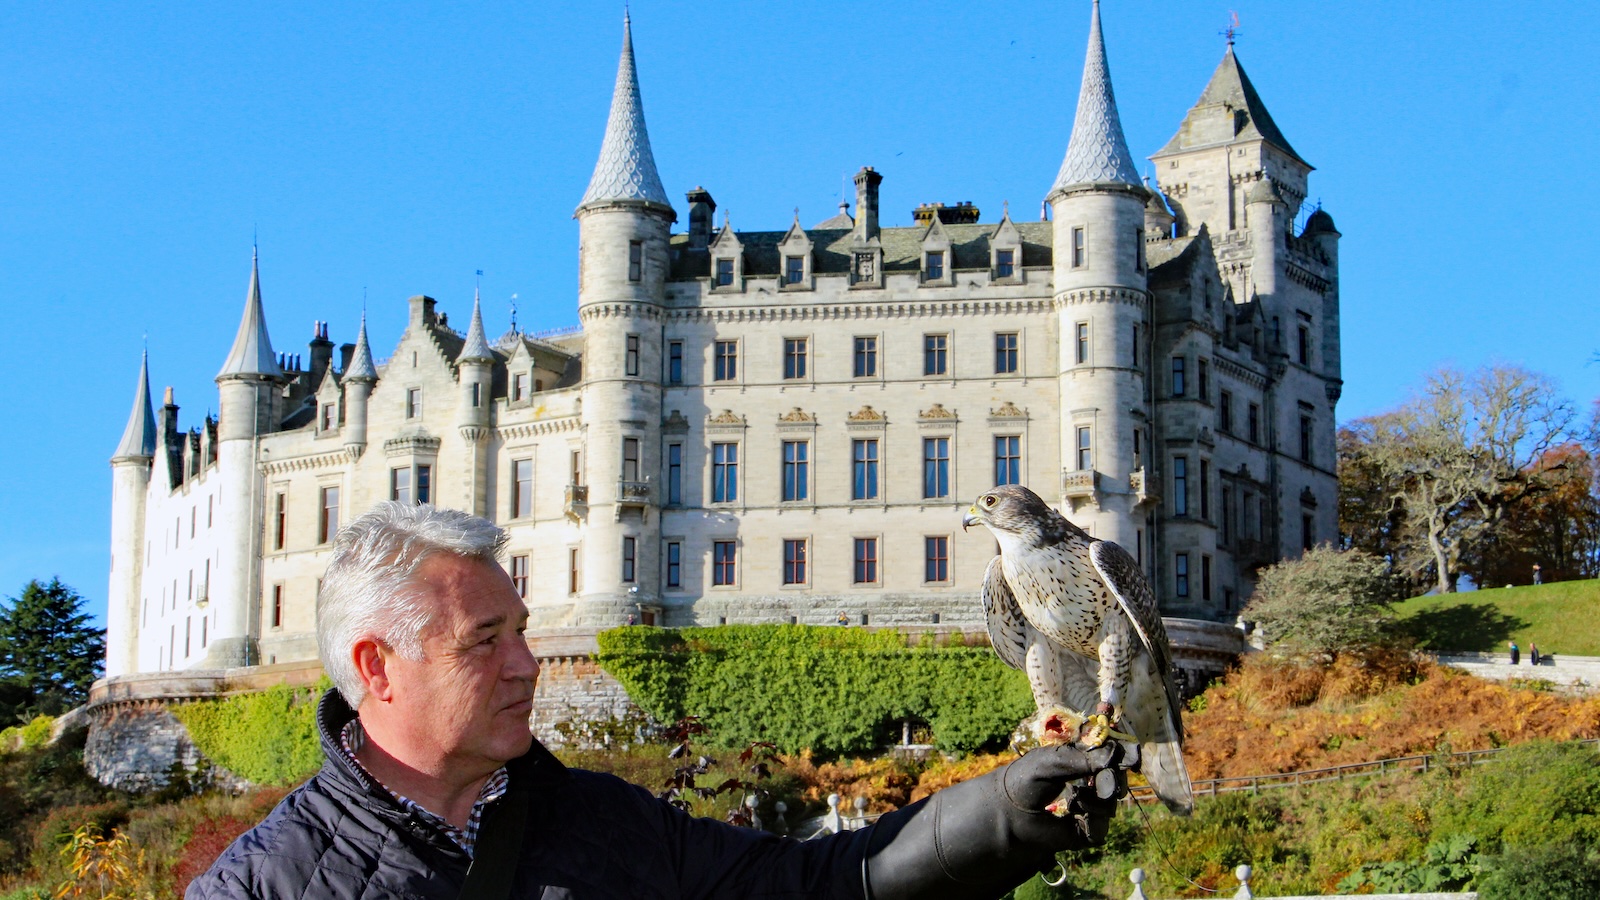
{"x":1008,"y":631}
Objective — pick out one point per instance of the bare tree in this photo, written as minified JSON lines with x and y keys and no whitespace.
{"x":1452,"y":460}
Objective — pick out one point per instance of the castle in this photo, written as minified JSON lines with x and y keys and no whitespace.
{"x":786,"y":426}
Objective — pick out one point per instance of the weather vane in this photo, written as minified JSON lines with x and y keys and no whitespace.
{"x":1232,"y":30}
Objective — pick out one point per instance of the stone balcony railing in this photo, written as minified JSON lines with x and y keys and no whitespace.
{"x":633,"y":493}
{"x":1079,"y":484}
{"x":576,"y":501}
{"x":1145,"y":487}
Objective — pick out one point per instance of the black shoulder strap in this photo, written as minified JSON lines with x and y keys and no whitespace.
{"x":494,"y":860}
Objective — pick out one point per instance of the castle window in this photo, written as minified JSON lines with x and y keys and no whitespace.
{"x":724,"y":473}
{"x":413,"y":403}
{"x":794,"y":561}
{"x":675,"y":362}
{"x":1227,"y":514}
{"x":1177,"y":376}
{"x":1005,"y":353}
{"x":1205,"y":489}
{"x":674,"y":474}
{"x":630,"y":547}
{"x":1180,"y":486}
{"x":1138,"y":249}
{"x":1005,"y":263}
{"x":1305,"y":439}
{"x":521,"y":488}
{"x":1079,"y":256}
{"x":1085,"y":450}
{"x":630,"y":364}
{"x":424,"y":484}
{"x":635,"y":260}
{"x":1225,"y":412}
{"x":1135,"y":345}
{"x":328,"y":525}
{"x":794,"y":358}
{"x":574,"y":575}
{"x":1203,"y":373}
{"x":1138,"y":448}
{"x":519,"y":575}
{"x":1277,"y":331}
{"x":409,"y":484}
{"x":1255,"y":424}
{"x":1305,"y":346}
{"x":935,"y":468}
{"x":630,"y":459}
{"x":796,"y":470}
{"x":577,"y":467}
{"x":674,"y":564}
{"x":936,"y":559}
{"x":328,"y":416}
{"x":477,"y":395}
{"x":933,"y":265}
{"x":280,"y":520}
{"x":725,"y":361}
{"x":277,"y":606}
{"x":1007,"y":459}
{"x":866,"y":357}
{"x":794,"y":269}
{"x":934,"y":353}
{"x":1180,"y":575}
{"x":864,"y":469}
{"x":519,"y":386}
{"x":724,"y":563}
{"x":1205,"y":578}
{"x":724,"y":272}
{"x":1308,"y":533}
{"x":1082,"y":351}
{"x":866,"y":561}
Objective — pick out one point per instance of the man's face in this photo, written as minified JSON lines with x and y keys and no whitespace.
{"x":468,"y":700}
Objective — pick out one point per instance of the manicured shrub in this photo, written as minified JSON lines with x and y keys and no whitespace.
{"x":267,"y":737}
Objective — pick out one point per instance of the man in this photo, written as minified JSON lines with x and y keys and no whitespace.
{"x":434,"y":787}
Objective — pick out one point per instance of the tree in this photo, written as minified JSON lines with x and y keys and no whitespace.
{"x":1327,"y":602}
{"x":1557,"y":529}
{"x":48,"y":647}
{"x":1446,"y":466}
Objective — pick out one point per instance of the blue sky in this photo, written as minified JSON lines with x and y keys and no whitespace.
{"x":389,"y":149}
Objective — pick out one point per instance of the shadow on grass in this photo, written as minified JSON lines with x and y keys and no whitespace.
{"x":1468,"y":627}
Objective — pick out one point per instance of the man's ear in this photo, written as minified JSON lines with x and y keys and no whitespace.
{"x":371,"y":659}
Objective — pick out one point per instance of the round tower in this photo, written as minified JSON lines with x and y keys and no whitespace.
{"x":130,"y":485}
{"x":357,"y":380}
{"x":1102,"y":303}
{"x":475,"y":375}
{"x":1264,"y":212}
{"x":625,"y":224}
{"x":250,"y":385}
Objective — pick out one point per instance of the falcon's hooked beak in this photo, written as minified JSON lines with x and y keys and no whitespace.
{"x":970,"y":519}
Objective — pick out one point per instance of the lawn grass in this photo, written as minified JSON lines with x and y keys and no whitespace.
{"x":1561,"y":618}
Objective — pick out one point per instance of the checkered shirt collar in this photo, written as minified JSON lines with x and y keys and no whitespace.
{"x":351,"y":739}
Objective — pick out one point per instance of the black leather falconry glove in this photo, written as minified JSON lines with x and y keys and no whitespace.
{"x":981,"y":838}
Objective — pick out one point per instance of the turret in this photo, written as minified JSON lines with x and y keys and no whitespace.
{"x":1324,"y":236}
{"x":1098,"y":228}
{"x":358,"y":378}
{"x":130,"y":485}
{"x":250,"y":384}
{"x":624,"y":226}
{"x":475,"y":374}
{"x":1264,"y":213}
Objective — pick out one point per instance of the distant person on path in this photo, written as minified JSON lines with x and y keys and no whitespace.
{"x":1533,"y":654}
{"x":1516,"y":653}
{"x":434,"y":788}
{"x":843,"y":619}
{"x":1538,"y":578}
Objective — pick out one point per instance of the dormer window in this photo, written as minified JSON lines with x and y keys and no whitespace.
{"x":724,"y":272}
{"x":794,"y":269}
{"x":519,"y":386}
{"x":933,"y":264}
{"x":329,"y":416}
{"x":1005,"y":265}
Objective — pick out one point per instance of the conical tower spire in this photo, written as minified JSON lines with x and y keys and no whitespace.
{"x":1230,"y":91}
{"x":361,"y":366}
{"x":476,"y":346}
{"x":626,"y":170}
{"x":1098,"y":152}
{"x":139,"y":438}
{"x":252,"y":354}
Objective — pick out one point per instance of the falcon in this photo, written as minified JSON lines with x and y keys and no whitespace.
{"x":1077,"y":615}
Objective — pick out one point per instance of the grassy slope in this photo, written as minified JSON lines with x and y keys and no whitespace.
{"x":1561,"y":618}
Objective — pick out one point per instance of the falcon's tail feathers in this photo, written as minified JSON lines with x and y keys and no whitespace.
{"x":1162,"y":765}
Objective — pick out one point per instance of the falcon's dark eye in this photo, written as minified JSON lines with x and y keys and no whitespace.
{"x":989,"y":500}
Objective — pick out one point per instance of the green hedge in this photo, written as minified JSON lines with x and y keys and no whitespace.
{"x":830,"y":690}
{"x":25,"y":737}
{"x":268,"y":737}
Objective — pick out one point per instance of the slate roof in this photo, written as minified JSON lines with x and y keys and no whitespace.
{"x":139,"y":438}
{"x":361,"y":366}
{"x":1230,"y":87}
{"x":476,"y":345}
{"x":902,"y":249}
{"x":252,"y":348}
{"x":1098,"y":152}
{"x":626,"y":169}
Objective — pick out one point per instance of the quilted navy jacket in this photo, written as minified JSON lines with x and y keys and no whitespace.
{"x":589,"y":836}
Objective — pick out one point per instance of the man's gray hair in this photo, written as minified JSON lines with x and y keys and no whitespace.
{"x":370,"y":589}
